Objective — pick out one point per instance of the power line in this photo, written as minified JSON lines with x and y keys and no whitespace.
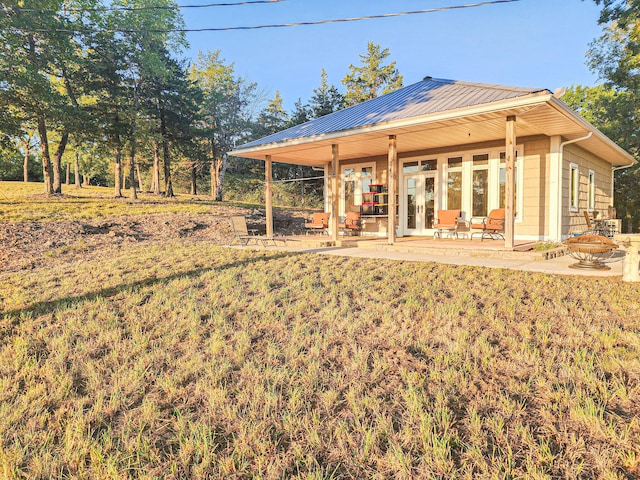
{"x":151,"y":7}
{"x":285,"y":25}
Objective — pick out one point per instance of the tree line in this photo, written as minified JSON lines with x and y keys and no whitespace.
{"x":103,"y":85}
{"x":613,"y":106}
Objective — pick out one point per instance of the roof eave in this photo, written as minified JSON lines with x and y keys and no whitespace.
{"x":526,"y":101}
{"x":568,"y":111}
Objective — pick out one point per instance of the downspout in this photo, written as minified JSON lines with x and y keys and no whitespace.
{"x":561,"y":153}
{"x":613,"y":170}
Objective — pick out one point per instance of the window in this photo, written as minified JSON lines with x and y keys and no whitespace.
{"x":454,"y":183}
{"x":410,"y":167}
{"x":421,"y":166}
{"x":574,"y":187}
{"x":480,"y":185}
{"x":355,"y":180}
{"x":592,"y":190}
{"x":428,"y":165}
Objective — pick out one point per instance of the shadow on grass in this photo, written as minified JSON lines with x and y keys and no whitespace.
{"x":41,"y":308}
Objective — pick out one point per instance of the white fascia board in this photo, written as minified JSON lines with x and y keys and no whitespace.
{"x":569,"y":112}
{"x":528,"y":101}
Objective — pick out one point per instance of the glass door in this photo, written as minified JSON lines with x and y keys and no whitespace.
{"x":420,"y":195}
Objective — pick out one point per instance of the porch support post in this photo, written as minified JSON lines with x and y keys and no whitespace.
{"x":555,"y":190}
{"x":509,"y":182}
{"x":393,"y":182}
{"x":268,"y":198}
{"x":333,"y":226}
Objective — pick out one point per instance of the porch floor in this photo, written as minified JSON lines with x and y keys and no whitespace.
{"x":488,"y":253}
{"x":462,"y":247}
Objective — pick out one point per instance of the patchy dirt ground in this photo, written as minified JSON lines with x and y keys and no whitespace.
{"x":26,"y":245}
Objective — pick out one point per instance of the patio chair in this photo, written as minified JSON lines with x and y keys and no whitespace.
{"x":491,"y":226}
{"x":318,"y":224}
{"x":245,"y":236}
{"x":351,"y":225}
{"x":595,"y":227}
{"x":446,"y":221}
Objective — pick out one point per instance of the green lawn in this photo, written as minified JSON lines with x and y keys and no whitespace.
{"x":187,"y":360}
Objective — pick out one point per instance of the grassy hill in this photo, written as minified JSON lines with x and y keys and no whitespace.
{"x":170,"y":356}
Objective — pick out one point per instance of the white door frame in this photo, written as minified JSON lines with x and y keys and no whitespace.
{"x":421,"y":228}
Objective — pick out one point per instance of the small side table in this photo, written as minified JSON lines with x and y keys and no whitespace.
{"x":631,"y":262}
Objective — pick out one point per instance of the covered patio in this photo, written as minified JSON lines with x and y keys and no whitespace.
{"x":437,"y":118}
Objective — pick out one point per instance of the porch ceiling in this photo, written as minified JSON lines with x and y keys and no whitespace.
{"x":547,"y":117}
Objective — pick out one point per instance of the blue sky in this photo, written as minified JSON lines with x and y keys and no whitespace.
{"x":528,"y":43}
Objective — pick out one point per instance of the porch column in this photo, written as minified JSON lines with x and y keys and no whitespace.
{"x":333,"y":225}
{"x":555,"y":190}
{"x":509,"y":182}
{"x":393,"y":181}
{"x":268,"y":167}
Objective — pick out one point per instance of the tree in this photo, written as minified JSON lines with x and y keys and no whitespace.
{"x":273,"y":117}
{"x":614,"y":107}
{"x":371,"y":79}
{"x":326,"y":99}
{"x":226,"y":114}
{"x":39,"y":62}
{"x":302,"y":113}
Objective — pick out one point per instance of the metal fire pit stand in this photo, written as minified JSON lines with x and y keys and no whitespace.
{"x":590,"y":250}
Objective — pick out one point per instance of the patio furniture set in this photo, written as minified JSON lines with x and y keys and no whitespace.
{"x":451,"y":223}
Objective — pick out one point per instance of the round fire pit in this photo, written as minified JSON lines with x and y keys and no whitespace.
{"x":590,"y":250}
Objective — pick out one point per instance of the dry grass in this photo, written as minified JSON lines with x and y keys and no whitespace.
{"x":204,"y":362}
{"x":188,"y":360}
{"x":25,"y":202}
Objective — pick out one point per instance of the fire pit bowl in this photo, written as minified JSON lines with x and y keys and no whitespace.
{"x":590,"y":250}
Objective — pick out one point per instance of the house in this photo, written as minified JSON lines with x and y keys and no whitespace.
{"x":444,"y":144}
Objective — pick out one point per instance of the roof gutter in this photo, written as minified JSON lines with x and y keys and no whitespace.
{"x":576,"y":140}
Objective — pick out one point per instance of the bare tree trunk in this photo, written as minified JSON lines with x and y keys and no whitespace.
{"x":86,"y":180}
{"x":132,"y":141}
{"x":57,"y":163}
{"x":46,"y":159}
{"x":156,"y":169}
{"x":166,"y":157}
{"x":221,"y":170}
{"x":76,"y":171}
{"x":212,"y":168}
{"x":25,"y":162}
{"x":68,"y":175}
{"x":132,"y":178}
{"x":218,"y":170}
{"x":117,"y":174}
{"x":139,"y":176}
{"x":194,"y":187}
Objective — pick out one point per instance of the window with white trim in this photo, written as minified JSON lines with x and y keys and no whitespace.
{"x":454,"y":183}
{"x":574,"y":187}
{"x":480,"y":184}
{"x":355,"y":180}
{"x":592,"y":190}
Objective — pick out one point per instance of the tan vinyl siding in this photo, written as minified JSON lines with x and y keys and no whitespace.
{"x":535,"y":189}
{"x":573,"y":221}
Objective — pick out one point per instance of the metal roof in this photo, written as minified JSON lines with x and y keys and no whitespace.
{"x":431,"y":95}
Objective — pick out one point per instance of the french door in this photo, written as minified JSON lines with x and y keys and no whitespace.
{"x":420,"y":196}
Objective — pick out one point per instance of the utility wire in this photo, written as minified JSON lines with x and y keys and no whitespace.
{"x":284,"y":25}
{"x":151,"y":7}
